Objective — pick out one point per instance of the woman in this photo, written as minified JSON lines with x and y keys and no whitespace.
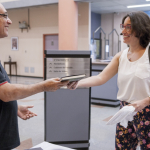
{"x":133,"y":68}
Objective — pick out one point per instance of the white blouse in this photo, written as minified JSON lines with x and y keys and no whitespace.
{"x":133,"y":78}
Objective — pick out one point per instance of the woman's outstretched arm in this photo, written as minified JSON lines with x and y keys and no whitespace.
{"x":110,"y":70}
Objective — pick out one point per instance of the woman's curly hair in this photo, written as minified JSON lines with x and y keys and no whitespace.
{"x":140,"y":24}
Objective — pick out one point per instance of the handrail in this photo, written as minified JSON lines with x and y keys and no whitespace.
{"x":101,"y":30}
{"x":117,"y":35}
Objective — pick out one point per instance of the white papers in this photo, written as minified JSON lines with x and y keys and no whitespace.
{"x":123,"y":116}
{"x":49,"y":146}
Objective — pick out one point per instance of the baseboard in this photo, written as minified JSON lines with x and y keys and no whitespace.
{"x":25,"y":76}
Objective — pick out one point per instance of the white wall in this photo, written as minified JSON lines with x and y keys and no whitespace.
{"x":43,"y":20}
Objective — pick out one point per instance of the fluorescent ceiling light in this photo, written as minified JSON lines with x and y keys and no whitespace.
{"x":144,"y":5}
{"x":147,"y":0}
{"x":3,"y":1}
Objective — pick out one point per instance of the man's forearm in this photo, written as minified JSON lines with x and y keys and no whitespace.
{"x":19,"y":91}
{"x":10,"y":92}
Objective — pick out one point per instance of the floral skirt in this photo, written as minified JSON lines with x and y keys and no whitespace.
{"x":137,"y":131}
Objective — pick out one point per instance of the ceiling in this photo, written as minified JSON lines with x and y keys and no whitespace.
{"x":10,"y":4}
{"x":111,"y":6}
{"x":97,"y":6}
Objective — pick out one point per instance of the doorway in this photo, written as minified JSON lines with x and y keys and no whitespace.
{"x":50,"y":42}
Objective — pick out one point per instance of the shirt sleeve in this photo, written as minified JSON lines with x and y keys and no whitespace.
{"x":2,"y":79}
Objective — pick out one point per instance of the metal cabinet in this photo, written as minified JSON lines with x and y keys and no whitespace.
{"x":67,"y":112}
{"x":105,"y":94}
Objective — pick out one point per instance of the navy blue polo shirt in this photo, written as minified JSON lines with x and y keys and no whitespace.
{"x":9,"y":134}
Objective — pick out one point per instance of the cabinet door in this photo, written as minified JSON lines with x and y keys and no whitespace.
{"x":67,"y":115}
{"x":106,"y":91}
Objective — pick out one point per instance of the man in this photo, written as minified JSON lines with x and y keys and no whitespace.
{"x":9,"y":93}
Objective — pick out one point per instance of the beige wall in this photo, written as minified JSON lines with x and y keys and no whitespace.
{"x":43,"y":20}
{"x":68,"y":25}
{"x":84,"y":28}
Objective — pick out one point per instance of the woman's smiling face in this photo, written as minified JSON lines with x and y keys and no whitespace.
{"x":128,"y":36}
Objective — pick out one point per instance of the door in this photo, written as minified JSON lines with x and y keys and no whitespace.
{"x":50,"y":42}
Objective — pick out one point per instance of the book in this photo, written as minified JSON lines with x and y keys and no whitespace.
{"x":73,"y":78}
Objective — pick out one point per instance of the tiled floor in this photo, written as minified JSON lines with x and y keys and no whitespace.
{"x":102,"y":136}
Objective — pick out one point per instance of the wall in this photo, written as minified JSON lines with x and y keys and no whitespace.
{"x":84,"y":26}
{"x":43,"y":20}
{"x":95,"y":23}
{"x":108,"y":23}
{"x":147,"y":12}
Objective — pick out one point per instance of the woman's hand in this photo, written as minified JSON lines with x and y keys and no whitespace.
{"x":72,"y":85}
{"x":141,"y":104}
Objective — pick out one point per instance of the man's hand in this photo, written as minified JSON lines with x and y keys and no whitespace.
{"x":54,"y":84}
{"x":24,"y":113}
{"x":72,"y":85}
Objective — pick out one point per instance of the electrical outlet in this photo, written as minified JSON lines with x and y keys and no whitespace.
{"x":32,"y":69}
{"x":26,"y":69}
